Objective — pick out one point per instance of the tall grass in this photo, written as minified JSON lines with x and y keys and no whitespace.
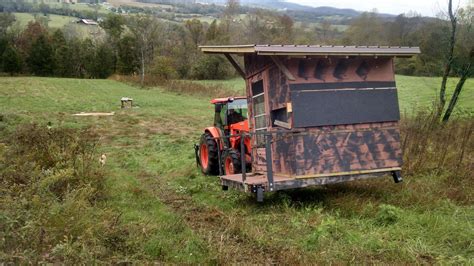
{"x":440,"y":149}
{"x":51,"y":186}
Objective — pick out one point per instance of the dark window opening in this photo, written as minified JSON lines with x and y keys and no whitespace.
{"x":279,"y":115}
{"x":257,"y":87}
{"x":341,"y":68}
{"x":302,"y":69}
{"x":258,"y":100}
{"x":320,"y":70}
{"x":363,"y":70}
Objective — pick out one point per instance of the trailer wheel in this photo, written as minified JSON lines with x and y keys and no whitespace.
{"x":208,"y":155}
{"x":231,"y":162}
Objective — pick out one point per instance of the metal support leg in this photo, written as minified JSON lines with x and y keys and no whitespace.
{"x":259,"y":194}
{"x":219,"y":159}
{"x":242,"y":157}
{"x":268,"y":157}
{"x":397,"y":177}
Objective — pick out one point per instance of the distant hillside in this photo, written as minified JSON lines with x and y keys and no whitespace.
{"x":298,"y":12}
{"x":283,"y":5}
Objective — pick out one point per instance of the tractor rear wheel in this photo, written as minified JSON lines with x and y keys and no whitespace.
{"x":208,"y":155}
{"x":231,"y":162}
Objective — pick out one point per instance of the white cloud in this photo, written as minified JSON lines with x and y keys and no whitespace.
{"x":424,"y":7}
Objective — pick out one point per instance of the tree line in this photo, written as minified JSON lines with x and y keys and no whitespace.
{"x":145,"y":45}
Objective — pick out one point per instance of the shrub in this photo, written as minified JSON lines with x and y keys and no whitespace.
{"x":51,"y":185}
{"x":211,"y":67}
{"x":163,"y":67}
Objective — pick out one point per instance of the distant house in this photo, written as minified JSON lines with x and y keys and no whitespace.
{"x":88,"y":22}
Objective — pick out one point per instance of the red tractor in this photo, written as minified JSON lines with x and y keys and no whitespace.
{"x":219,"y":150}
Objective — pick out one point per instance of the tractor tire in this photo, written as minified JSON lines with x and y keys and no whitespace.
{"x":231,"y":162}
{"x":208,"y":155}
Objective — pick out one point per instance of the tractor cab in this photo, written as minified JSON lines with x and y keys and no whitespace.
{"x":221,"y":149}
{"x":231,"y":114}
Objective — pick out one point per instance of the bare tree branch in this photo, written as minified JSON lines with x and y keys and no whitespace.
{"x":449,"y":62}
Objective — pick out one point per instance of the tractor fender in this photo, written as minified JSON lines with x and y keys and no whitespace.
{"x":216,"y":133}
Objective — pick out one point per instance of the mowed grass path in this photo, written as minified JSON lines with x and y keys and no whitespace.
{"x":185,"y":216}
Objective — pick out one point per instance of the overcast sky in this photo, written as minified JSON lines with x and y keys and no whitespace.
{"x":424,"y":7}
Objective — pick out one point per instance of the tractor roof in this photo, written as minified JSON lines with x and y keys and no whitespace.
{"x":322,"y":50}
{"x":226,"y":100}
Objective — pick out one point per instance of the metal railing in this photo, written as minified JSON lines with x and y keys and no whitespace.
{"x":268,"y":138}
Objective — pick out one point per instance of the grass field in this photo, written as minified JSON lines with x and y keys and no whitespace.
{"x":181,"y":216}
{"x":54,"y":21}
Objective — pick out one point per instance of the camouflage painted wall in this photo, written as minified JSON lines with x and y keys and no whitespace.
{"x":323,"y":149}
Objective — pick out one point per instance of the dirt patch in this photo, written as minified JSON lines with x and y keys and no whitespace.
{"x":94,"y":114}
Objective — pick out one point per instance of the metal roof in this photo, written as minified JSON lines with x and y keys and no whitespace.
{"x":301,"y":50}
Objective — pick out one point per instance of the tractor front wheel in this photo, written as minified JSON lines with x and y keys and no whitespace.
{"x":231,"y":161}
{"x":208,"y":158}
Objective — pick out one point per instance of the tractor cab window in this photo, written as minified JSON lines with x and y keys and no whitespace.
{"x":223,"y":115}
{"x":219,"y":120}
{"x":237,"y":111}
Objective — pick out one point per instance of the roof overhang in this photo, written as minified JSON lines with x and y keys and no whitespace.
{"x":312,"y":50}
{"x":226,"y":100}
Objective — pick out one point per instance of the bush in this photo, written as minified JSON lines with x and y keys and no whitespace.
{"x":163,"y":68}
{"x":211,"y":67}
{"x":51,"y":186}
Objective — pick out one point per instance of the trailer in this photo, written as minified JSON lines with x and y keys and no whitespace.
{"x":317,"y":114}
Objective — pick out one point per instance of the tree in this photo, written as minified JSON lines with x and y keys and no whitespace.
{"x":366,"y":29}
{"x":325,"y":32}
{"x":212,"y":31}
{"x":29,"y":36}
{"x":449,"y":61}
{"x":11,"y":60}
{"x":103,"y":62}
{"x":285,"y":33}
{"x":163,"y":67}
{"x":211,"y":67}
{"x":6,"y":20}
{"x":146,"y":31}
{"x":232,"y":8}
{"x":114,"y":25}
{"x":128,"y":61}
{"x":195,"y":28}
{"x":40,"y":60}
{"x":62,"y":55}
{"x":461,"y":56}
